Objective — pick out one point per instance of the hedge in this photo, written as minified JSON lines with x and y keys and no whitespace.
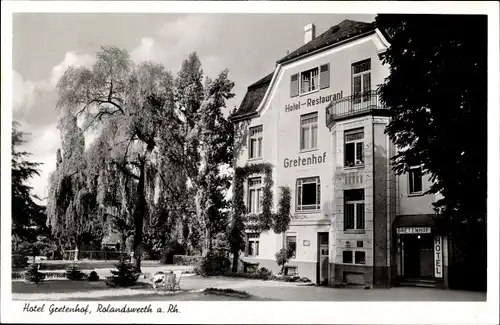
{"x":186,"y":260}
{"x":56,"y":275}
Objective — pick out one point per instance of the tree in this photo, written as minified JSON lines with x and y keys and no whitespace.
{"x":204,"y":139}
{"x":28,"y":217}
{"x":131,"y":105}
{"x":436,"y":92}
{"x":72,"y":210}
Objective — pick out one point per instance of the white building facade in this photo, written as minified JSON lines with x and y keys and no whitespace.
{"x":319,"y":121}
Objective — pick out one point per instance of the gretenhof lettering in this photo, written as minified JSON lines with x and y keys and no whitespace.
{"x":313,"y":101}
{"x":311,"y":160}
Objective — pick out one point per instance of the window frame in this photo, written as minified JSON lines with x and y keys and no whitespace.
{"x":259,"y":137}
{"x":353,"y":256}
{"x":259,"y":190}
{"x":363,"y":95}
{"x":309,"y":126}
{"x":292,"y":235}
{"x":355,"y":142}
{"x":410,"y":173}
{"x":355,"y":203}
{"x":301,"y":80}
{"x":252,"y":237}
{"x":299,"y":188}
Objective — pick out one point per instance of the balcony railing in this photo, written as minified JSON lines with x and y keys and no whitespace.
{"x":350,"y":106}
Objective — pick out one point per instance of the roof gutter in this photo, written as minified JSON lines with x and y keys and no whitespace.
{"x":241,"y":117}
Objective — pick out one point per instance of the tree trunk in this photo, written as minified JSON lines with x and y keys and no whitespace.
{"x":234,"y":268}
{"x":139,"y":216}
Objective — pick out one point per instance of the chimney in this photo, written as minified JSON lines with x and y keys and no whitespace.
{"x":309,"y":33}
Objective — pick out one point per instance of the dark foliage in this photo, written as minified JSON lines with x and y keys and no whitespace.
{"x":282,"y":257}
{"x":33,"y":275}
{"x":73,"y":273}
{"x":186,"y":260}
{"x":173,"y":248}
{"x":213,"y":264}
{"x":19,"y":261}
{"x":437,"y":95}
{"x":93,"y":276}
{"x":126,"y":275}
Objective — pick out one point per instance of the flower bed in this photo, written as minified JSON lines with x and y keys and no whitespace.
{"x":227,"y":292}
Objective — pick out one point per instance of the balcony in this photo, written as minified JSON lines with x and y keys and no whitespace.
{"x":354,"y":106}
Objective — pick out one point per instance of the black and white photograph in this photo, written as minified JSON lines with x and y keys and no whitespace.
{"x":225,"y":162}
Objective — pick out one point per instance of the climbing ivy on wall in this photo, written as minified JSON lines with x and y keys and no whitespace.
{"x":266,"y":220}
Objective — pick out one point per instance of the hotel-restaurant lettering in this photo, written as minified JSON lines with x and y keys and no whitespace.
{"x":313,"y":101}
{"x":305,"y":161}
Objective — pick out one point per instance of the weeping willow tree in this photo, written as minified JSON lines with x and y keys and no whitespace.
{"x":131,"y":105}
{"x":72,"y":210}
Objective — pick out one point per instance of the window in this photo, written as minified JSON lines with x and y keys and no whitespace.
{"x":310,"y":80}
{"x":354,"y":210}
{"x":253,"y":244}
{"x":353,"y":155}
{"x":359,"y":257}
{"x":308,"y":194}
{"x":291,"y":241}
{"x":415,"y":179}
{"x":254,"y":195}
{"x":361,"y":81}
{"x":309,"y":131}
{"x":347,"y":257}
{"x":255,"y":142}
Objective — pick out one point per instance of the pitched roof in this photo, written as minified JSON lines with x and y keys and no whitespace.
{"x":253,"y":97}
{"x":336,"y":34}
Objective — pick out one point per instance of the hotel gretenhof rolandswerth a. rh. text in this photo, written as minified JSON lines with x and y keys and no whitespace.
{"x":318,"y":120}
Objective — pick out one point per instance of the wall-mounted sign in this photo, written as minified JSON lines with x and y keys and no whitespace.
{"x":438,"y":257}
{"x":347,"y":243}
{"x":311,"y":160}
{"x":309,"y":102}
{"x":306,"y":243}
{"x":413,"y":230}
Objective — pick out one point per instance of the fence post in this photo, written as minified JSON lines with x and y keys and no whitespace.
{"x":105,"y":259}
{"x":76,"y":254}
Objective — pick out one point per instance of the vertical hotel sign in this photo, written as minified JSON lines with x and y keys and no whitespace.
{"x":438,"y":256}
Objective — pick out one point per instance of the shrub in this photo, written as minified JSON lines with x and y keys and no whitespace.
{"x":253,"y":276}
{"x":282,"y":257}
{"x":74,"y":274}
{"x":173,"y":249}
{"x":250,"y":267}
{"x":19,"y":261}
{"x":213,"y":264}
{"x":264,"y":273}
{"x":93,"y":276}
{"x":33,"y":275}
{"x":126,"y":275}
{"x":186,"y":260}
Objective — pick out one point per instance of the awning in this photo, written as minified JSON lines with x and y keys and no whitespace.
{"x":434,"y":221}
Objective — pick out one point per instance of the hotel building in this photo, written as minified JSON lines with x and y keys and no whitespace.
{"x":319,"y":121}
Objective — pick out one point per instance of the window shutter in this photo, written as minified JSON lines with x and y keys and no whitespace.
{"x":294,"y":85}
{"x":324,"y":77}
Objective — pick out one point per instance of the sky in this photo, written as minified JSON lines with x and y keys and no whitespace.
{"x":44,"y":45}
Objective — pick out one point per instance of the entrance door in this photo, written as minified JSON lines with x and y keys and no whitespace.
{"x":323,"y":261}
{"x":418,"y":258}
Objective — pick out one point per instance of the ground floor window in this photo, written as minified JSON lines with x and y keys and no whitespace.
{"x":354,"y":210}
{"x":291,"y":241}
{"x":253,"y":244}
{"x":359,"y":257}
